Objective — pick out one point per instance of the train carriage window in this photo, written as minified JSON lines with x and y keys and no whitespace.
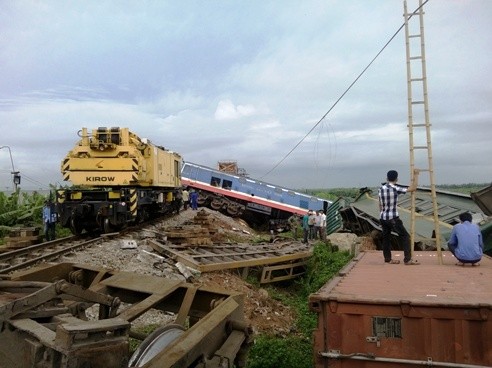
{"x":227,"y":184}
{"x":215,"y":182}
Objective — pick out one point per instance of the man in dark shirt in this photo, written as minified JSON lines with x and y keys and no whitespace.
{"x":390,"y":221}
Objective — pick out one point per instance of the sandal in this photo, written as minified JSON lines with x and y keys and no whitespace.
{"x":394,"y":261}
{"x":460,"y":264}
{"x":412,"y":262}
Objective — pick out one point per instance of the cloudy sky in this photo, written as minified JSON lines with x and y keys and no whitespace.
{"x":246,"y":81}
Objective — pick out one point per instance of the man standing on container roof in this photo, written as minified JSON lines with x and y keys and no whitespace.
{"x":390,"y":221}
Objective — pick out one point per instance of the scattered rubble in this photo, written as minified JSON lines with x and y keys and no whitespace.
{"x":351,"y":242}
{"x":22,"y":237}
{"x":195,"y":228}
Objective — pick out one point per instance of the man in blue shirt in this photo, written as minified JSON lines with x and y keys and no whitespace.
{"x":466,"y":241}
{"x":194,"y":200}
{"x":49,"y":221}
{"x":390,"y":221}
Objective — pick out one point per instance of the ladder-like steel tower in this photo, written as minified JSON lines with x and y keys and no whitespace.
{"x":419,"y":127}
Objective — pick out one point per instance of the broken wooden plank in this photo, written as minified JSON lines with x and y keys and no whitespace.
{"x":248,"y":258}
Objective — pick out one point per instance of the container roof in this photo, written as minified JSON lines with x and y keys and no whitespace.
{"x":367,"y":279}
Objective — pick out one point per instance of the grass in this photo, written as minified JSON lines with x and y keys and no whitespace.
{"x":293,"y":351}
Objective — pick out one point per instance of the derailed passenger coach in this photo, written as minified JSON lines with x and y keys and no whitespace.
{"x":118,"y":178}
{"x":238,"y":195}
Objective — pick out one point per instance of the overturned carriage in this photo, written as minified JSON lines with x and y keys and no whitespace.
{"x":362,"y":216}
{"x":256,"y":201}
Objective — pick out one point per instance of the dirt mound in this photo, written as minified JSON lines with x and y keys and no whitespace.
{"x":265,"y":313}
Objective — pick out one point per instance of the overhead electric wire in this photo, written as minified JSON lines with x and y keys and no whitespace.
{"x":346,"y":90}
{"x":34,"y":181}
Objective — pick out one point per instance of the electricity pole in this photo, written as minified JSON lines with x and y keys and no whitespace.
{"x":15,"y":174}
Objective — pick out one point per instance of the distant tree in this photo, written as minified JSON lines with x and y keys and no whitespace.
{"x":20,"y":210}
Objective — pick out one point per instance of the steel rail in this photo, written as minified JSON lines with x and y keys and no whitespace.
{"x":50,"y":255}
{"x":32,"y":248}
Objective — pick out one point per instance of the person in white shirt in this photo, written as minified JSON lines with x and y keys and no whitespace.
{"x":322,"y":226}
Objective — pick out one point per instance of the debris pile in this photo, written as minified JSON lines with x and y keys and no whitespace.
{"x":201,"y":230}
{"x":22,"y":237}
{"x":266,"y":314}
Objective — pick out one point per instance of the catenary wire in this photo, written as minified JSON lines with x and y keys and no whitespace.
{"x":345,"y":92}
{"x":34,"y":181}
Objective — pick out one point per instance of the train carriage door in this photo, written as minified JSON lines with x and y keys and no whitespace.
{"x":177,"y":172}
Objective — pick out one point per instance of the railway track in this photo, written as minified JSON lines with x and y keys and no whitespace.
{"x":47,"y":251}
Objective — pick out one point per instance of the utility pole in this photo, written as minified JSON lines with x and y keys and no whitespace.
{"x":15,"y":174}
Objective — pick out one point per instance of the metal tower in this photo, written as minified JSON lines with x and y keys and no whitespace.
{"x":419,"y":127}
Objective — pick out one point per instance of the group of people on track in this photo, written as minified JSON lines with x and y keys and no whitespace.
{"x":184,"y":198}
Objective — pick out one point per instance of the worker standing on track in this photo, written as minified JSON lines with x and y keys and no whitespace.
{"x":177,"y":200}
{"x":186,"y":199}
{"x":49,"y":220}
{"x":317,"y":225}
{"x":322,"y":227}
{"x":305,"y":227}
{"x":311,"y":222}
{"x":294,"y":225}
{"x":194,"y":200}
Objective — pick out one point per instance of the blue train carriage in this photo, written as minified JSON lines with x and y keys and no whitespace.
{"x":240,"y":196}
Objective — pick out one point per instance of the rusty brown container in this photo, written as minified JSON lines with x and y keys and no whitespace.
{"x":394,"y":315}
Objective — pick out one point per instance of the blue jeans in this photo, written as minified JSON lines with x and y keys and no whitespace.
{"x":49,"y":231}
{"x":395,"y":225}
{"x":452,"y":249}
{"x":305,"y":233}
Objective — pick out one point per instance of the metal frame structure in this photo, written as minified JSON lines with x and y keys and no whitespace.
{"x":278,"y":262}
{"x":44,"y":322}
{"x":418,"y":109}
